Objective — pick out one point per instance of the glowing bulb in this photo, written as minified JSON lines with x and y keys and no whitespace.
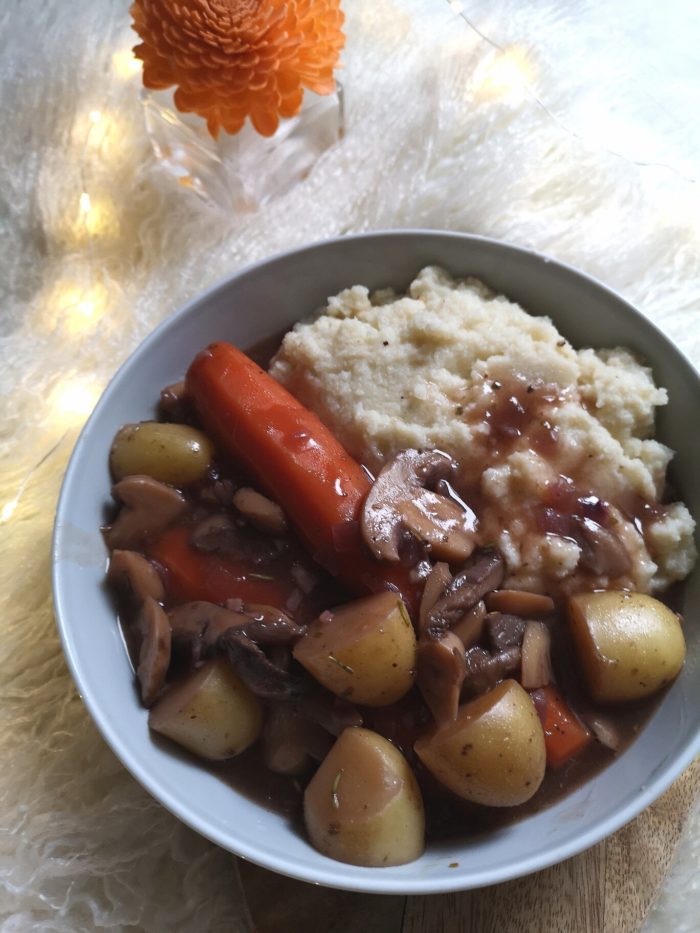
{"x":73,"y":400}
{"x":505,"y":76}
{"x":96,"y":217}
{"x":456,"y":6}
{"x":100,"y":131}
{"x":8,"y":510}
{"x":124,"y":64}
{"x":77,"y":308}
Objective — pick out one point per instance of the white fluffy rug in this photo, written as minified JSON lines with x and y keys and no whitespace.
{"x":579,"y":140}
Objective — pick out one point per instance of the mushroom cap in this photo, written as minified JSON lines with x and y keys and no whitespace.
{"x":400,"y":502}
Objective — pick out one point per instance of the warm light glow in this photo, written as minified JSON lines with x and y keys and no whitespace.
{"x":506,"y":75}
{"x":8,"y":510}
{"x":73,"y":400}
{"x":96,"y":217}
{"x":78,"y":308}
{"x":456,"y":5}
{"x":125,"y":65}
{"x":99,"y":131}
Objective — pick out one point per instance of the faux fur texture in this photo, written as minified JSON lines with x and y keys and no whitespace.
{"x":595,"y":162}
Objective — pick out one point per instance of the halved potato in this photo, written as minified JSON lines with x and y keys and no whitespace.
{"x":365,"y":651}
{"x":493,"y":753}
{"x":363,"y":805}
{"x":212,"y":713}
{"x":630,"y":645}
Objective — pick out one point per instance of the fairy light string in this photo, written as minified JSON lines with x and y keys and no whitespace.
{"x":521,"y":72}
{"x":76,"y":304}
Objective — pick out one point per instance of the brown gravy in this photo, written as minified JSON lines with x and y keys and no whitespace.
{"x":513,"y":411}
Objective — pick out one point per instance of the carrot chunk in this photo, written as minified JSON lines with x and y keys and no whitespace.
{"x":564,"y":735}
{"x":192,"y":575}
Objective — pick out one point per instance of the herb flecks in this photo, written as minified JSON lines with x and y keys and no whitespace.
{"x":404,"y":613}
{"x":341,"y":664}
{"x":334,"y":789}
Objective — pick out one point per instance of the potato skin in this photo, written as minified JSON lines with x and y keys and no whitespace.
{"x":493,"y":753}
{"x":365,"y":653}
{"x":211,"y":713}
{"x":171,"y":453}
{"x":630,"y":645}
{"x":363,"y":805}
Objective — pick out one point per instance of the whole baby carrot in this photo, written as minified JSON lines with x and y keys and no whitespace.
{"x":292,"y":456}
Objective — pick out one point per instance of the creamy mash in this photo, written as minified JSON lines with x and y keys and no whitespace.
{"x":554,"y":444}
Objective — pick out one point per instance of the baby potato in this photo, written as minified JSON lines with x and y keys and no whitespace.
{"x":363,"y":805}
{"x":493,"y":753}
{"x":172,"y":453}
{"x":365,"y":651}
{"x":630,"y":645}
{"x":212,"y":713}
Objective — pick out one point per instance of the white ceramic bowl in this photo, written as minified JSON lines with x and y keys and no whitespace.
{"x":262,"y":300}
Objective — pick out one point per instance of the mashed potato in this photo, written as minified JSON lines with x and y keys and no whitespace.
{"x":541,"y":431}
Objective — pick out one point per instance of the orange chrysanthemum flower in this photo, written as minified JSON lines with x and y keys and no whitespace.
{"x":233,"y":59}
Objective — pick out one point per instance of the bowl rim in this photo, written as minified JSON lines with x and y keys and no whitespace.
{"x":377,"y":882}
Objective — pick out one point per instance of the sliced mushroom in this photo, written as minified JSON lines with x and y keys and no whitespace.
{"x":483,"y":574}
{"x":485,"y":670}
{"x":270,"y":626}
{"x":602,"y":551}
{"x":174,"y":404}
{"x":441,"y":669}
{"x":536,"y":662}
{"x":134,"y":578}
{"x":435,"y":586}
{"x":470,"y":627}
{"x":256,"y":670}
{"x":197,"y":626}
{"x":261,"y":512}
{"x":280,"y":656}
{"x":520,"y":603}
{"x":218,"y":534}
{"x":154,"y":654}
{"x":504,"y":630}
{"x":290,"y":743}
{"x":399,"y":500}
{"x":217,"y":491}
{"x":148,"y":507}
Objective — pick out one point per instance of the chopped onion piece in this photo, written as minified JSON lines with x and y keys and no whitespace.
{"x":604,"y":731}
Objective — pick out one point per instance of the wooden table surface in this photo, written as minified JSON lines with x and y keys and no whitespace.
{"x":608,"y":889}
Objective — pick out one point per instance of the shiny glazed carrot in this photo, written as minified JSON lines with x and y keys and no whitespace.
{"x":291,"y":455}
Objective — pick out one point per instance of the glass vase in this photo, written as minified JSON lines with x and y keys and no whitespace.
{"x":240,"y":173}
